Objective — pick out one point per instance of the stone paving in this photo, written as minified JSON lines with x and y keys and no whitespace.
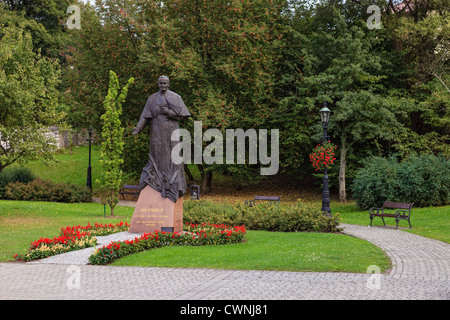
{"x":420,"y":272}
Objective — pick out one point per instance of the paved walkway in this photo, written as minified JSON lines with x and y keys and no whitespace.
{"x":421,"y":271}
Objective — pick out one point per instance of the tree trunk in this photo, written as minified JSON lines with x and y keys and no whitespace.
{"x":206,"y":179}
{"x":209,"y":181}
{"x":206,"y":182}
{"x":342,"y":193}
{"x":111,"y":204}
{"x":188,"y":172}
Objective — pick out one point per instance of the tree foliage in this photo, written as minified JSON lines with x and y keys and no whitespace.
{"x":264,"y":64}
{"x":28,"y":94}
{"x":112,"y":139}
{"x":46,"y":23}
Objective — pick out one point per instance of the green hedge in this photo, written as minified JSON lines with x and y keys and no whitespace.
{"x":45,"y":190}
{"x":9,"y":175}
{"x":264,"y":216}
{"x":424,"y":180}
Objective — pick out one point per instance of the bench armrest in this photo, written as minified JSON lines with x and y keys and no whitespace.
{"x":375,"y":210}
{"x":402,"y":212}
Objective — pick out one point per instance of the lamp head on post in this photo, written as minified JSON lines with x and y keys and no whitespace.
{"x":325,"y":114}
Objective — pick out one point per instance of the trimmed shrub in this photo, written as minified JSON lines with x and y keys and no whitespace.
{"x":375,"y":182}
{"x":45,"y":190}
{"x":264,"y":216}
{"x":8,"y":175}
{"x":424,"y":180}
{"x":197,"y":212}
{"x":288,"y":218}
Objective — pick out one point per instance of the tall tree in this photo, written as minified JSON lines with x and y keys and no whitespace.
{"x":112,"y":139}
{"x":338,"y":66}
{"x":222,"y":54}
{"x":28,"y":94}
{"x":421,"y":32}
{"x":219,"y":56}
{"x":51,"y":15}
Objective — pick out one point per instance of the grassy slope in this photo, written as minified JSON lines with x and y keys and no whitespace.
{"x":71,"y":166}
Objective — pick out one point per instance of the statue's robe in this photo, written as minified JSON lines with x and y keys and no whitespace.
{"x":161,"y":173}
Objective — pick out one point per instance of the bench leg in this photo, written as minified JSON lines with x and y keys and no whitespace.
{"x":371,"y":218}
{"x":382,"y":218}
{"x":397,"y":220}
{"x":409,"y":224}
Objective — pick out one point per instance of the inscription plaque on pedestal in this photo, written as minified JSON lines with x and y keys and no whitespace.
{"x":155,"y":213}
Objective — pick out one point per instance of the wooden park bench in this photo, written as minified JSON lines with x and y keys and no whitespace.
{"x":252,"y":203}
{"x":129,"y":189}
{"x":403,"y":212}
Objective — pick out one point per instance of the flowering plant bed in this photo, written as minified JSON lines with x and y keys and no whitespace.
{"x":100,"y":229}
{"x":194,"y":234}
{"x":70,"y":239}
{"x":323,"y":155}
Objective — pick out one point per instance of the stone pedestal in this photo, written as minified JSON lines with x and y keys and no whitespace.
{"x":153,"y":212}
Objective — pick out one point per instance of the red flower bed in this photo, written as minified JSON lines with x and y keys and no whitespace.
{"x":70,"y":238}
{"x":195,"y":234}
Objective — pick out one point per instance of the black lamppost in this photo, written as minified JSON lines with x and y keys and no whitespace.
{"x":325,"y":117}
{"x":89,"y":169}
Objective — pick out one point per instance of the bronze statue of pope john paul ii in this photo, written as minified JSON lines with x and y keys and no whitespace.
{"x":163,"y":111}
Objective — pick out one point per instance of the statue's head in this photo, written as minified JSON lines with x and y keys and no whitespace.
{"x":163,"y":83}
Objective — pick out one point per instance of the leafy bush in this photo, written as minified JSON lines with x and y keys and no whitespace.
{"x":424,"y":180}
{"x":376,"y":182}
{"x":264,"y":216}
{"x":9,"y":175}
{"x":45,"y":190}
{"x":288,"y":218}
{"x":200,"y":211}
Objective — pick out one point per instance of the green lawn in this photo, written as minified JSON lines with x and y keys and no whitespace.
{"x":263,"y":250}
{"x":22,"y":222}
{"x":70,"y":166}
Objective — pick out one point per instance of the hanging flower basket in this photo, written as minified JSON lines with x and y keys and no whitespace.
{"x":323,"y":155}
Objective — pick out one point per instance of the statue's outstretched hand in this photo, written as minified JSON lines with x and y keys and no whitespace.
{"x":135,"y":131}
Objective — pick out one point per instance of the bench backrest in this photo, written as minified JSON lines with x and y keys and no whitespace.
{"x":397,"y":205}
{"x":267,"y":198}
{"x":129,"y":186}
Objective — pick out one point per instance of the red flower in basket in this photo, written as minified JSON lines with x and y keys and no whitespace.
{"x":323,"y":155}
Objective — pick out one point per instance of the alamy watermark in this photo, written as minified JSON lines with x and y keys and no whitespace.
{"x":74,"y":280}
{"x":374,"y":21}
{"x":374,"y":281}
{"x":74,"y":21}
{"x":213,"y":153}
